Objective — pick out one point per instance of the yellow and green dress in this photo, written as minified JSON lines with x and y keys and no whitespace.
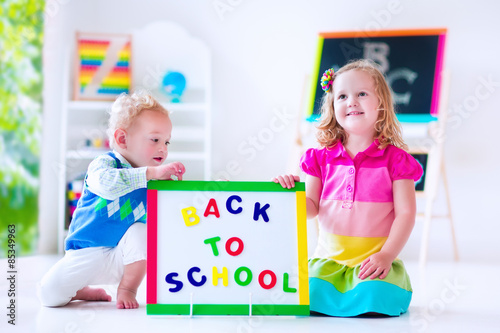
{"x":356,"y":212}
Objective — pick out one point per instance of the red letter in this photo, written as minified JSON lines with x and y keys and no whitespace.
{"x":212,"y":204}
{"x":230,"y":242}
{"x":273,"y":279}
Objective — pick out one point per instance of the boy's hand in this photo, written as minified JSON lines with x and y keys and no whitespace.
{"x":165,"y":172}
{"x":287,"y":181}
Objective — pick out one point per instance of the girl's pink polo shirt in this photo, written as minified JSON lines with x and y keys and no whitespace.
{"x":356,"y":208}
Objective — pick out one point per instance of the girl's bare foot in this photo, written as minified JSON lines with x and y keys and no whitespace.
{"x":92,"y":294}
{"x":125,"y":299}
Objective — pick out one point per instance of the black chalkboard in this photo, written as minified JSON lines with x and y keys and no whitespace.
{"x":422,"y":159}
{"x":411,"y":61}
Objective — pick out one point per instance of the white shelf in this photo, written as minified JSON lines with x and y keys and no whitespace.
{"x":191,"y":117}
{"x":105,"y":105}
{"x":179,"y":156}
{"x":188,"y":134}
{"x":173,"y":107}
{"x":90,"y":154}
{"x":85,"y":154}
{"x":89,"y":105}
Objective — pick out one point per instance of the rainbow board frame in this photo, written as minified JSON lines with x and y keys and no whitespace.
{"x":416,"y":54}
{"x":260,"y":249}
{"x":103,"y":67}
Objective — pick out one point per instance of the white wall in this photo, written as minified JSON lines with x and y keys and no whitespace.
{"x":262,"y":52}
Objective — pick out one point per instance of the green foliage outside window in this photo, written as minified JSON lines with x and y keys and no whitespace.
{"x":21,"y":36}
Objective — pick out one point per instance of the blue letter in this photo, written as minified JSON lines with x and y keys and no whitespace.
{"x":228,"y":204}
{"x":170,"y":279}
{"x":193,"y":281}
{"x":260,"y":211}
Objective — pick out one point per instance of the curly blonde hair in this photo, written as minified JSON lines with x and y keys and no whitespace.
{"x":387,"y":127}
{"x":127,"y":108}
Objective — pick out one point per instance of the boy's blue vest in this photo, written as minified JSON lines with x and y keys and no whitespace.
{"x":100,"y":222}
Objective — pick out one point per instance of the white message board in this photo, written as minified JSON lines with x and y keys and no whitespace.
{"x":226,"y":248}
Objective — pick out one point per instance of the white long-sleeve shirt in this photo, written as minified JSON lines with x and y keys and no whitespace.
{"x":110,"y":183}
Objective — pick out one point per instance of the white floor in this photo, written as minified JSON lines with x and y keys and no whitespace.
{"x":448,"y":297}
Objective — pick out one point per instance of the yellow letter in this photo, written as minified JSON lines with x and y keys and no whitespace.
{"x":216,"y":276}
{"x":188,"y":214}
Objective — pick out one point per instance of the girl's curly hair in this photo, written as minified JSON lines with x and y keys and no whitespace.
{"x":387,"y":127}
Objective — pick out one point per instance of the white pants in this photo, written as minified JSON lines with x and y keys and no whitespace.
{"x":93,"y":265}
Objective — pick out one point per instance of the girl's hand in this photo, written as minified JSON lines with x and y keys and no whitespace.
{"x":165,"y":172}
{"x":287,"y":181}
{"x":377,"y":265}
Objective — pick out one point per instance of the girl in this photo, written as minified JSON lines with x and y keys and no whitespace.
{"x":360,"y":184}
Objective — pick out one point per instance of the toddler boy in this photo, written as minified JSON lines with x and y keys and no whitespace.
{"x":106,"y":243}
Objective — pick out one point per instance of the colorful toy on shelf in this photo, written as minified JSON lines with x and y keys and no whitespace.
{"x":173,"y":86}
{"x":103,"y":66}
{"x":75,"y":188}
{"x":97,"y":142}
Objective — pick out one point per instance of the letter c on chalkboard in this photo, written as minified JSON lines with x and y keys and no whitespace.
{"x":230,"y":208}
{"x":192,"y":280}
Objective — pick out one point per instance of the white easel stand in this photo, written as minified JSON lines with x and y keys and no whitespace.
{"x":428,"y":216}
{"x":435,"y":171}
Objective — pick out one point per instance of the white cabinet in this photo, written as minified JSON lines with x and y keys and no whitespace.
{"x":156,"y":49}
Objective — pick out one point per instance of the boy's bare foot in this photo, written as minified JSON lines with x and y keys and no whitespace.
{"x":92,"y":294}
{"x":125,"y":299}
{"x":127,"y":289}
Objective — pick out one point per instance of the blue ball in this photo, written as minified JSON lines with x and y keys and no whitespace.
{"x":173,"y":86}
